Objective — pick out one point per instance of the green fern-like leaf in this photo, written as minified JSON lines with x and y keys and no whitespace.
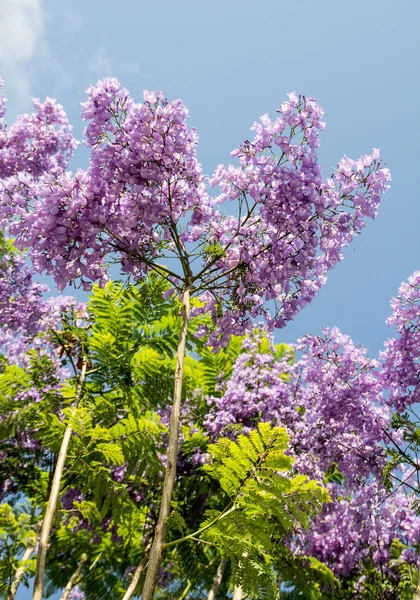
{"x":267,"y":500}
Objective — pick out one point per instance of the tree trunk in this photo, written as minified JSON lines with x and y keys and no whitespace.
{"x":52,"y":501}
{"x":237,"y":593}
{"x":155,"y":557}
{"x":134,"y":582}
{"x":74,"y":579}
{"x":217,"y":580}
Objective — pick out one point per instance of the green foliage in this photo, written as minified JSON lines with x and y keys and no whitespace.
{"x":213,"y":252}
{"x":20,"y":390}
{"x":26,"y":396}
{"x":407,"y":575}
{"x":134,"y":330}
{"x":130,"y":341}
{"x":17,"y":532}
{"x":102,"y":576}
{"x":333,"y":475}
{"x":265,"y":501}
{"x":218,"y":367}
{"x":403,"y":453}
{"x":252,"y":497}
{"x":193,"y":439}
{"x":93,"y":453}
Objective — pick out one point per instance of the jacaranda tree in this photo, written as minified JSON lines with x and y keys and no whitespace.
{"x":101,"y":496}
{"x":330,"y":400}
{"x":260,"y":248}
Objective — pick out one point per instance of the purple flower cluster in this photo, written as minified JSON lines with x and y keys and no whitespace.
{"x":70,"y":496}
{"x":144,"y":200}
{"x":20,"y":297}
{"x":295,"y":224}
{"x":143,"y":177}
{"x":330,"y":401}
{"x":352,"y":532}
{"x":77,"y":594}
{"x":343,"y":414}
{"x":35,"y":144}
{"x":400,"y":371}
{"x":26,"y":319}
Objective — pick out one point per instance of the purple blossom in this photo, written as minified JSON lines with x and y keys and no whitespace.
{"x":118,"y":473}
{"x":400,"y":373}
{"x":144,"y":199}
{"x":77,"y":594}
{"x":26,"y":319}
{"x":330,"y":400}
{"x":35,"y":144}
{"x":352,"y":532}
{"x":71,"y":496}
{"x":20,"y":297}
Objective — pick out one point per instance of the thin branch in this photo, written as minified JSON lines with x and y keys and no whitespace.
{"x":75,"y":578}
{"x":136,"y":578}
{"x":219,"y":517}
{"x":217,"y":582}
{"x":186,"y":590}
{"x":20,"y":572}
{"x":55,"y":490}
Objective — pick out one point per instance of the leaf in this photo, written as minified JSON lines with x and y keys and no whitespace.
{"x":112,"y":453}
{"x":265,"y":505}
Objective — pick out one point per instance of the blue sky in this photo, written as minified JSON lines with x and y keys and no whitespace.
{"x":232,"y":61}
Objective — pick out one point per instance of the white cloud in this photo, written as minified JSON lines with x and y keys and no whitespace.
{"x":21,"y":32}
{"x":21,"y":26}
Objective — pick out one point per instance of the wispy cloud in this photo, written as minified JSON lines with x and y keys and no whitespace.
{"x":131,"y":67}
{"x":103,"y":65}
{"x":22,"y":25}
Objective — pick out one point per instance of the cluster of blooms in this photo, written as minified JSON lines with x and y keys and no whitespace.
{"x":400,"y":371}
{"x":344,"y":418}
{"x":332,"y":403}
{"x":25,"y":317}
{"x":328,"y":400}
{"x":295,"y":224}
{"x":20,"y":297}
{"x":144,"y":199}
{"x":143,"y":177}
{"x":76,"y":594}
{"x":35,"y":144}
{"x":357,"y":531}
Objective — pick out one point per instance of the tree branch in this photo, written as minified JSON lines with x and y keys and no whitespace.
{"x":75,"y":578}
{"x":217,"y":582}
{"x":171,"y":453}
{"x":55,"y":490}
